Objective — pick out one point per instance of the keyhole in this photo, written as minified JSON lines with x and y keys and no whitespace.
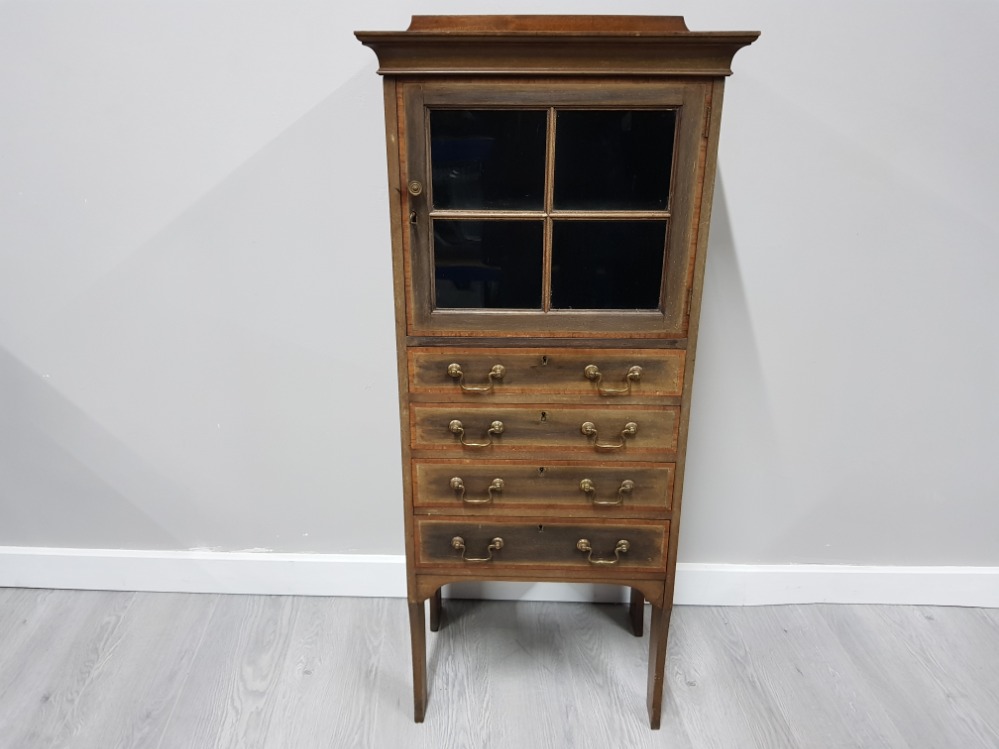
{"x":541,"y":529}
{"x":541,"y":471}
{"x":544,"y":361}
{"x":544,"y":416}
{"x":412,"y":217}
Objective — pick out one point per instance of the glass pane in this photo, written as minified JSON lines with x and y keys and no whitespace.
{"x":613,"y":160}
{"x":492,"y":159}
{"x":607,"y":264}
{"x":488,"y":264}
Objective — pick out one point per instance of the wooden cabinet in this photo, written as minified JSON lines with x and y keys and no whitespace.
{"x":550,"y":183}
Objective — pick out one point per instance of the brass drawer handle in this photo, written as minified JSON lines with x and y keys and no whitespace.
{"x":590,"y":372}
{"x":459,"y":487}
{"x":496,"y":373}
{"x":621,"y":548}
{"x":586,"y":486}
{"x":456,"y":428}
{"x":590,"y":430}
{"x":458,"y":544}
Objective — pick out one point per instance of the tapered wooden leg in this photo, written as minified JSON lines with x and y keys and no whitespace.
{"x":637,"y":612}
{"x":435,"y":611}
{"x":418,"y":636}
{"x":658,"y":633}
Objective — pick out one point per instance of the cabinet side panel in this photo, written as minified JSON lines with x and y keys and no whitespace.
{"x":394,"y":141}
{"x":707,"y":167}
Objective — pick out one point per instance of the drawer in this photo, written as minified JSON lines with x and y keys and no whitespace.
{"x":480,"y":547}
{"x":612,"y":433}
{"x":563,"y":488}
{"x":500,"y":373}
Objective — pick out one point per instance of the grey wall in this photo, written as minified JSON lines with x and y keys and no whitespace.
{"x":196,"y":336}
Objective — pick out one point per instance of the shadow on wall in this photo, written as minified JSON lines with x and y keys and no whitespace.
{"x":66,"y":480}
{"x":733,"y":463}
{"x":207,"y":391}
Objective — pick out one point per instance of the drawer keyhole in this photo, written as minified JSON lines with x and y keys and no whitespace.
{"x":544,"y":416}
{"x":541,"y":470}
{"x":544,"y":361}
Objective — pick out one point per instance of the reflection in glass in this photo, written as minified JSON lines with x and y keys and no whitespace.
{"x":613,"y":160}
{"x":487,"y":264}
{"x":607,"y":264}
{"x":488,"y":158}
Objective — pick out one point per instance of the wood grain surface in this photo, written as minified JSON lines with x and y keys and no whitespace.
{"x":550,"y":488}
{"x":548,"y":373}
{"x":548,"y":546}
{"x":541,"y":429}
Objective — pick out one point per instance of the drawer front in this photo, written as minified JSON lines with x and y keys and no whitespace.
{"x":623,"y":432}
{"x":558,"y":487}
{"x":497,"y":373}
{"x":473,"y":546}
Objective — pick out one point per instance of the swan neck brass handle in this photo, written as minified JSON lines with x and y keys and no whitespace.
{"x":495,"y":374}
{"x":620,"y":548}
{"x":458,"y":485}
{"x":456,"y":427}
{"x":591,"y":373}
{"x":590,"y":430}
{"x":587,"y":487}
{"x":458,"y":544}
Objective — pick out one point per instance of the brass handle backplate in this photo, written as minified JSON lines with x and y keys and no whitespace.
{"x":496,"y":373}
{"x":587,"y":487}
{"x":590,"y":430}
{"x":458,"y":485}
{"x":415,"y":188}
{"x":591,"y":373}
{"x":458,"y":544}
{"x":620,"y":548}
{"x":456,"y":427}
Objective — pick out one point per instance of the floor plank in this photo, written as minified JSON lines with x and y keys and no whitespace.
{"x":228,"y":702}
{"x":813,"y":682}
{"x":719,"y":694}
{"x":175,"y":671}
{"x":57,"y":673}
{"x":911,"y":686}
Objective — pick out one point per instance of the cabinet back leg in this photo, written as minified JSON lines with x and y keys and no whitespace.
{"x":418,"y":637}
{"x":435,"y":611}
{"x":637,"y":612}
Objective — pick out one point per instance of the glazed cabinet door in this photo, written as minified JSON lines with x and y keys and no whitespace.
{"x":545,"y":211}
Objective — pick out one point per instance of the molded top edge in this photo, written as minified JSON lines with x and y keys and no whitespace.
{"x":609,"y":24}
{"x":554,"y":45}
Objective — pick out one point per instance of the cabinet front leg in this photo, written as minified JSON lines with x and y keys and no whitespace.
{"x":418,"y":637}
{"x":637,"y":612}
{"x":658,"y":633}
{"x":435,"y":611}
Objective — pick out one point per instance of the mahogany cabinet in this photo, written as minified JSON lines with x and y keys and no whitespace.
{"x":550,"y":182}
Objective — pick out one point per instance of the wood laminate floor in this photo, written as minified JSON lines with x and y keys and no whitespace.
{"x":179,"y":671}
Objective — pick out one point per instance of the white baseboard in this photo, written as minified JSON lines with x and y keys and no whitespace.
{"x":369,"y":575}
{"x":363,"y":575}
